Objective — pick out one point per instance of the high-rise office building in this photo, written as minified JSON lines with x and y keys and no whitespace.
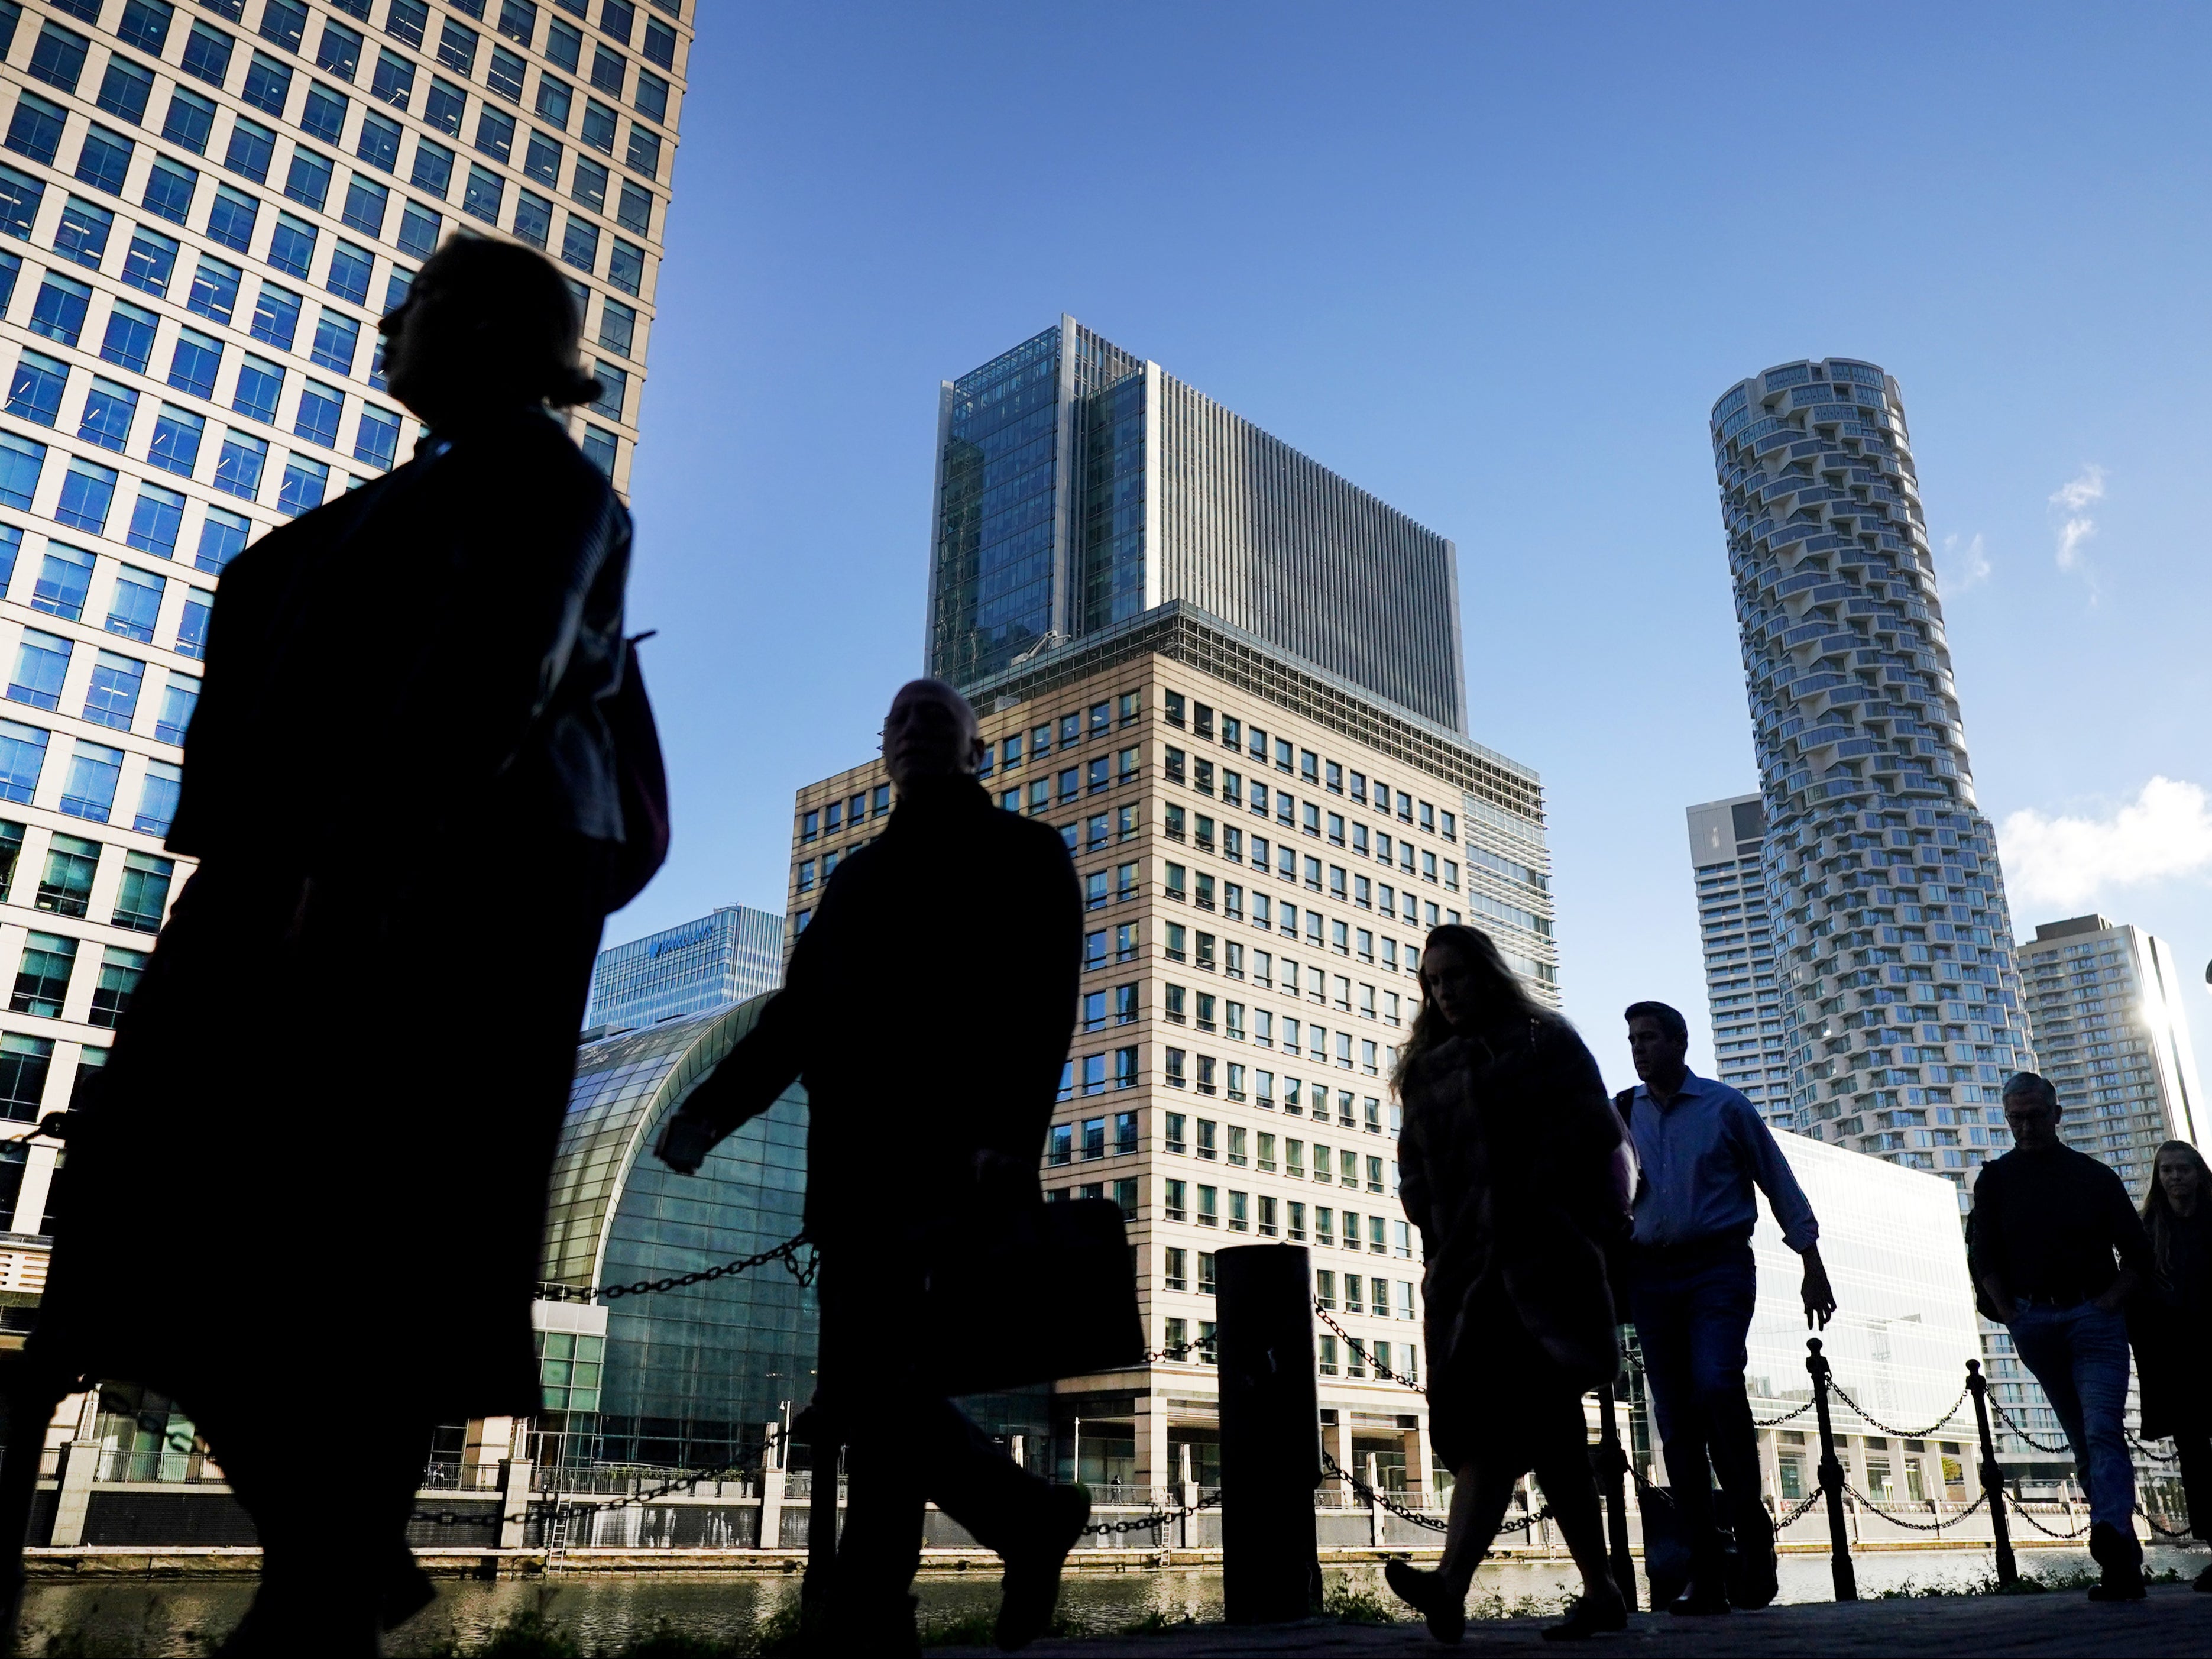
{"x":1900,"y":999}
{"x":2106,"y":997}
{"x":1262,"y":848}
{"x":203,"y":210}
{"x":714,"y":962}
{"x":1079,"y":487}
{"x":1749,"y":1052}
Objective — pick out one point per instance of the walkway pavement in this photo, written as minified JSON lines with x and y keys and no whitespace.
{"x":2175,"y":1620}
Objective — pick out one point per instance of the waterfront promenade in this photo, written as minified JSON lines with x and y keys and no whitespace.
{"x":2175,"y":1620}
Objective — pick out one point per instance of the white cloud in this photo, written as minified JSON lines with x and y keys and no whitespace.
{"x":2078,"y":527}
{"x":1964,"y":567}
{"x":2164,"y":832}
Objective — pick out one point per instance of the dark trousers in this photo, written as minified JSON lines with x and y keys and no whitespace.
{"x":905,"y":1448}
{"x":1693,"y":1310}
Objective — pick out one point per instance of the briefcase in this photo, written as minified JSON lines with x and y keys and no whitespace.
{"x":1033,"y":1294}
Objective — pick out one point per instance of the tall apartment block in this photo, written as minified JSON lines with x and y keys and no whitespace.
{"x":1079,"y":487}
{"x":203,"y":210}
{"x":1749,"y":1052}
{"x":698,"y":966}
{"x":1900,"y":1000}
{"x":2114,"y":1037}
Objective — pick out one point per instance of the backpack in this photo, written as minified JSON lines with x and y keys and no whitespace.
{"x":641,"y":778}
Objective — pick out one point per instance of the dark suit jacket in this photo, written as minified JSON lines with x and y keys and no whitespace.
{"x":928,"y":1008}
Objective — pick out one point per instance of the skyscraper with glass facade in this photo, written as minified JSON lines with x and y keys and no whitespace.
{"x":1899,"y":996}
{"x":714,"y":962}
{"x":204,"y":210}
{"x":1749,"y":1052}
{"x":2114,"y":1039}
{"x":1079,"y":487}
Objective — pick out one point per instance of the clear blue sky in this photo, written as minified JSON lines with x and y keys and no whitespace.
{"x":1493,"y":265}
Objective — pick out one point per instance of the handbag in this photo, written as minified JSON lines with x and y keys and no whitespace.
{"x":641,"y":778}
{"x":1032,"y":1295}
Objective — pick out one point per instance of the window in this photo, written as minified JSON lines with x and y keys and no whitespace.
{"x":283,"y":21}
{"x":134,"y":604}
{"x":600,"y":447}
{"x":192,"y":627}
{"x":348,"y":274}
{"x":71,"y":862}
{"x":1175,"y":1262}
{"x":505,"y":75}
{"x":120,"y":972}
{"x":58,"y":313}
{"x":89,"y":790}
{"x":253,"y":147}
{"x":626,"y":266}
{"x":260,"y":383}
{"x":145,"y":24}
{"x":644,"y":152}
{"x":418,"y":228}
{"x":176,"y":443}
{"x":155,"y":518}
{"x":108,"y":409}
{"x":406,"y":21}
{"x":660,"y":43}
{"x":304,"y":484}
{"x":433,"y":167}
{"x":268,"y":82}
{"x":337,"y":342}
{"x":22,"y":757}
{"x":376,"y":439}
{"x":215,"y":290}
{"x":239,"y":466}
{"x":579,"y":246}
{"x":393,"y":83}
{"x":64,"y":576}
{"x":42,"y":975}
{"x":1209,"y":1206}
{"x":157,"y":798}
{"x":378,"y":143}
{"x":276,"y":316}
{"x":446,"y":105}
{"x":179,"y":698}
{"x":35,"y":129}
{"x":145,"y":893}
{"x":323,"y":114}
{"x":102,"y":160}
{"x":366,"y":202}
{"x":112,"y":697}
{"x":456,"y":47}
{"x":317,"y":419}
{"x":19,"y":195}
{"x":58,"y":57}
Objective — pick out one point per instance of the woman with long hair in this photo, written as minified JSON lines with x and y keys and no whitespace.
{"x":1511,"y":1164}
{"x":2172,"y":1327}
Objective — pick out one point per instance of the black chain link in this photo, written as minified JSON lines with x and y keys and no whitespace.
{"x":786,"y":1252}
{"x":1804,"y":1505}
{"x":2021,"y":1510}
{"x":1353,"y":1342}
{"x":1836,"y":1389}
{"x":553,"y":1507}
{"x":1777,"y":1422}
{"x":2011,"y":1427}
{"x":1156,"y":1518}
{"x":1935,"y":1526}
{"x":2155,"y":1457}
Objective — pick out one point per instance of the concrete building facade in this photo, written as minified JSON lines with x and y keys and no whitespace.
{"x":1079,"y":487}
{"x":1900,"y":996}
{"x":715,"y":962}
{"x":2106,"y":997}
{"x":1736,"y":931}
{"x":1262,"y":847}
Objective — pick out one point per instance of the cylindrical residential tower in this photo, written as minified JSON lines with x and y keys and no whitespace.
{"x":1893,"y":942}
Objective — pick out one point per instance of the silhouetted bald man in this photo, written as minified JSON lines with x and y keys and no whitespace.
{"x":928,"y":1008}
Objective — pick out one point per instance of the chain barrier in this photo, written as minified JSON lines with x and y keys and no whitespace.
{"x":1367,"y":1494}
{"x":1836,"y":1389}
{"x":1804,"y":1507}
{"x":1777,"y":1422}
{"x":1936,"y":1526}
{"x":2151,"y":1521}
{"x":1353,"y":1342}
{"x":2011,"y":1427}
{"x":2021,"y":1510}
{"x":557,"y":1506}
{"x":2155,"y":1457}
{"x":1156,"y":1518}
{"x":786,"y":1252}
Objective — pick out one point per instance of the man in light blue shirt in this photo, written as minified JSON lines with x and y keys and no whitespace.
{"x":1703,"y":1148}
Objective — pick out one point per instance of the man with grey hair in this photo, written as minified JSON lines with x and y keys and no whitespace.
{"x":2047,"y":1223}
{"x":928,"y":1007}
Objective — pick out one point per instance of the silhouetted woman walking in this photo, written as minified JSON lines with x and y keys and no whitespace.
{"x":2171,"y":1325}
{"x":307,"y":1198}
{"x":1512,"y":1164}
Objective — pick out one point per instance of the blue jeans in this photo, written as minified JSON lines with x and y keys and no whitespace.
{"x":2079,"y":1356}
{"x":1693,"y":1310}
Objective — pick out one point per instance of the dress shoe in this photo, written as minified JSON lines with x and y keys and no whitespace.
{"x":1702,"y":1595}
{"x":2121,"y":1559}
{"x":1595,"y":1612}
{"x":1031,"y":1588}
{"x":1428,"y":1595}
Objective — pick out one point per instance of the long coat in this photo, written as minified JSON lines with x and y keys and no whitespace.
{"x":315,"y":1165}
{"x":1507,"y":1164}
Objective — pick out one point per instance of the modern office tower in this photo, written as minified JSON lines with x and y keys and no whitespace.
{"x":203,"y":210}
{"x":1900,"y":998}
{"x":1262,"y":847}
{"x":697,"y":967}
{"x":1749,"y":1052}
{"x":1077,"y":487}
{"x":2106,"y":997}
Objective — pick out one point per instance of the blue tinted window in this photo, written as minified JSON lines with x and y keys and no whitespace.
{"x":11,"y":267}
{"x":276,"y":316}
{"x":191,"y":631}
{"x":88,"y":492}
{"x":496,"y":133}
{"x":11,"y":544}
{"x":195,"y":363}
{"x":82,"y":234}
{"x":504,"y":76}
{"x":588,"y":185}
{"x":64,"y":577}
{"x":268,"y":82}
{"x":542,"y":159}
{"x":324,"y":113}
{"x":22,"y":757}
{"x":88,"y":791}
{"x":108,"y":410}
{"x":35,"y":393}
{"x":157,"y":810}
{"x":366,"y":201}
{"x":317,"y":420}
{"x":434,"y":167}
{"x":650,"y":96}
{"x":626,"y":267}
{"x":599,"y":449}
{"x":253,"y":147}
{"x":151,"y":262}
{"x":134,"y":605}
{"x":419,"y":229}
{"x":176,"y":445}
{"x":215,"y":289}
{"x":348,"y":277}
{"x":579,"y":246}
{"x":340,"y":50}
{"x":231,"y":218}
{"x":555,"y":101}
{"x":207,"y":54}
{"x":111,"y":697}
{"x":636,"y":209}
{"x":609,"y":69}
{"x":57,"y":59}
{"x":376,"y":439}
{"x":260,"y":384}
{"x":20,"y":462}
{"x":617,"y":20}
{"x":145,"y":24}
{"x":456,"y":47}
{"x":104,"y":159}
{"x":309,"y":179}
{"x":303,"y":485}
{"x":379,"y":142}
{"x":393,"y":83}
{"x":19,"y":195}
{"x":41,"y":665}
{"x":189,"y":120}
{"x":169,"y":190}
{"x":614,"y":387}
{"x":222,"y":538}
{"x":337,"y":340}
{"x":284,"y":21}
{"x":483,"y":196}
{"x":533,"y":217}
{"x":238,"y":466}
{"x":644,"y":155}
{"x":406,"y":20}
{"x":126,"y":88}
{"x":617,"y":326}
{"x":292,"y":245}
{"x":564,"y":44}
{"x":156,"y":516}
{"x":35,"y":129}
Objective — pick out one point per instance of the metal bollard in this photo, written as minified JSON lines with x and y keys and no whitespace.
{"x":1832,"y":1480}
{"x":1610,"y":1463}
{"x":1270,"y":1435}
{"x":1992,"y":1476}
